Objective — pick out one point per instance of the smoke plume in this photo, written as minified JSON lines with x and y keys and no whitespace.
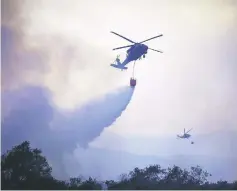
{"x":31,"y":116}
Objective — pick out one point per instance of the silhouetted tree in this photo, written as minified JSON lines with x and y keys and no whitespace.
{"x":74,"y":183}
{"x":25,"y":168}
{"x":90,"y":184}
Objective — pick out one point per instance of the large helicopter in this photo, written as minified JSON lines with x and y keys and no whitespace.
{"x":135,"y":51}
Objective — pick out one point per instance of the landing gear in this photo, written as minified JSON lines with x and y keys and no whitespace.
{"x":144,"y":55}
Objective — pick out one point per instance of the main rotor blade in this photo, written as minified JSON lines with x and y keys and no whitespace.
{"x":122,"y":37}
{"x":189,"y":130}
{"x":184,"y":130}
{"x":155,"y":50}
{"x":122,"y":47}
{"x":151,"y":38}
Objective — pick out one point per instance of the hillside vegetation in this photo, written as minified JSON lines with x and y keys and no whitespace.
{"x":24,"y":167}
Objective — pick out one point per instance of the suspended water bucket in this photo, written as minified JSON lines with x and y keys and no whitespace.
{"x":133,"y":82}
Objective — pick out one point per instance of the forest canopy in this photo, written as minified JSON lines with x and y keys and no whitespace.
{"x":24,"y":167}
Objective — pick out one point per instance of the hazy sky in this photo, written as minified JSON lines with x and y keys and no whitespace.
{"x":66,"y":46}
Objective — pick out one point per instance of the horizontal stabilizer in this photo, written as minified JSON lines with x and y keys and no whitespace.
{"x":120,"y":66}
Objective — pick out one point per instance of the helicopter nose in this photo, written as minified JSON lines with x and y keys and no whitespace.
{"x":145,"y":48}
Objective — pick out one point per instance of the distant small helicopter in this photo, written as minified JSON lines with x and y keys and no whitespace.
{"x":136,"y":51}
{"x":185,"y":135}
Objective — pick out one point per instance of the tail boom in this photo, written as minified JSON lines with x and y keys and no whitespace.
{"x":119,"y":66}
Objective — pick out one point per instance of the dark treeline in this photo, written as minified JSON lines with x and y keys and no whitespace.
{"x":25,"y":168}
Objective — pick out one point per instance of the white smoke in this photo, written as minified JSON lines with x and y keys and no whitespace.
{"x":30,"y":114}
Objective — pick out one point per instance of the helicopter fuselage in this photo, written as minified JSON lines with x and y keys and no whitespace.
{"x":133,"y":53}
{"x":184,"y":136}
{"x":136,"y":51}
